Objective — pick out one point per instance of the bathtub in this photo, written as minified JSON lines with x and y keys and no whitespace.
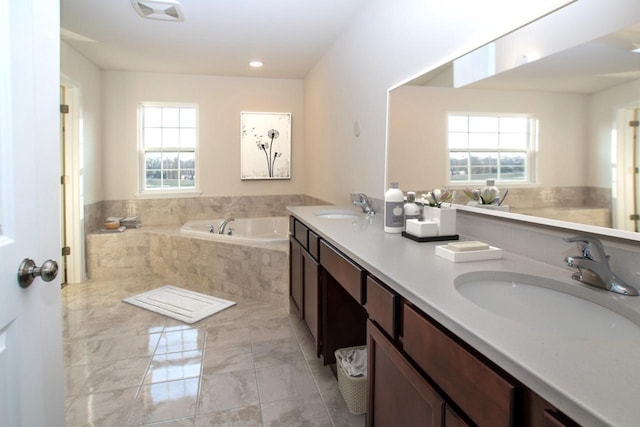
{"x":258,"y":231}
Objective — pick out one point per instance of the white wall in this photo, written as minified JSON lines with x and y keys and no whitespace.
{"x":604,"y":107}
{"x":386,"y":45}
{"x":418,"y":156}
{"x":220,"y":100}
{"x":77,"y":71}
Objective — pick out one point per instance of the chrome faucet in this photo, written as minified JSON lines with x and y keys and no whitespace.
{"x":223,"y":224}
{"x":362,"y":200}
{"x":596,"y":271}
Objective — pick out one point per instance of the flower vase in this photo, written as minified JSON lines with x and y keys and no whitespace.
{"x":446,"y":219}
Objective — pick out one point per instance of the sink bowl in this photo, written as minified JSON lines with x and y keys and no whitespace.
{"x":337,"y":214}
{"x":538,"y":303}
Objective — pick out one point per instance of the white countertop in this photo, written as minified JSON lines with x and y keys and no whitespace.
{"x":596,"y":382}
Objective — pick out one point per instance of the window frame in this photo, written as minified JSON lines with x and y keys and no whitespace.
{"x":142,"y":150}
{"x":531,"y":152}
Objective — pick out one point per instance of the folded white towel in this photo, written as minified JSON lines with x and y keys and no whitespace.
{"x":354,"y":361}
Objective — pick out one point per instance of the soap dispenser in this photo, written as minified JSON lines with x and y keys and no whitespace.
{"x":393,"y":209}
{"x":411,"y":209}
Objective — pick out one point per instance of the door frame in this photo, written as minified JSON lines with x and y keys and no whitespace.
{"x":74,"y":218}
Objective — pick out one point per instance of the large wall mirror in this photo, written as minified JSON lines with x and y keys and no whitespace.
{"x":566,"y":124}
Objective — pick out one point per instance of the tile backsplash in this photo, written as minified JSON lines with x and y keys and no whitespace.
{"x":177,"y":211}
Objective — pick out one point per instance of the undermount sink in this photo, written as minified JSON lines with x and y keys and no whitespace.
{"x":537,"y":303}
{"x":337,"y":214}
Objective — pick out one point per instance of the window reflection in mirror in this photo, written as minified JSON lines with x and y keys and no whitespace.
{"x":583,"y":156}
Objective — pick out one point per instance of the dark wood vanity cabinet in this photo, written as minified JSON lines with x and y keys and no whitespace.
{"x":311,"y":304}
{"x":304,"y":278}
{"x":295,"y":276}
{"x":419,"y":373}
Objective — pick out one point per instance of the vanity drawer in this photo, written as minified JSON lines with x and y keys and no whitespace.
{"x":349,"y":275}
{"x":382,"y":306}
{"x":483,"y":394}
{"x":314,"y":245}
{"x":300,"y":232}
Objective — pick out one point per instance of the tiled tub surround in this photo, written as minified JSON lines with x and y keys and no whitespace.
{"x":259,"y":272}
{"x":255,"y":271}
{"x":585,"y":205}
{"x":177,"y":211}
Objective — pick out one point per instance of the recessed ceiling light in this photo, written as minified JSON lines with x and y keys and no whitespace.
{"x":256,"y":64}
{"x":164,"y":10}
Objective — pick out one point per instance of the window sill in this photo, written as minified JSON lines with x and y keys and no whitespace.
{"x":168,"y":194}
{"x":499,"y":184}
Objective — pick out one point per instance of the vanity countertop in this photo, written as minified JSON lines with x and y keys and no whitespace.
{"x":596,"y":382}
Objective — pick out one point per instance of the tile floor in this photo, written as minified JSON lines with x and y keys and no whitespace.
{"x":250,"y":365}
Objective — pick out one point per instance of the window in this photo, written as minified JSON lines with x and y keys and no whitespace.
{"x":168,"y":147}
{"x":491,"y":146}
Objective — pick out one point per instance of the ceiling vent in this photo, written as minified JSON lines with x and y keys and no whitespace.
{"x":164,"y":10}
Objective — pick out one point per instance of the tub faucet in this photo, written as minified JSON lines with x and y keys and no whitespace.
{"x":596,"y":271}
{"x":362,"y":200}
{"x":223,"y":224}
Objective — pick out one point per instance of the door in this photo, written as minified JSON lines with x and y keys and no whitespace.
{"x":31,"y":386}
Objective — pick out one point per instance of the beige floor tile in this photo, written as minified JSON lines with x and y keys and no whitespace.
{"x":227,"y":360}
{"x":116,"y":375}
{"x":164,"y":401}
{"x":276,"y":352}
{"x":250,"y":365}
{"x":285,"y":381}
{"x":226,"y":336}
{"x":174,"y":366}
{"x":100,"y":409}
{"x":220,"y":392}
{"x":186,"y":339}
{"x":250,"y":416}
{"x":308,"y":412}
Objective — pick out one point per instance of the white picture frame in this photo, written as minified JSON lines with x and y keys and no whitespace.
{"x":265,"y":145}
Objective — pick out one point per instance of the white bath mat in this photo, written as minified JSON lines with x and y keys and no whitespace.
{"x":180,"y":304}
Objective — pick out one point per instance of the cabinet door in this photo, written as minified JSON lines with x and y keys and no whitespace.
{"x":311,"y":297}
{"x":295,"y":277}
{"x":398,"y":394}
{"x":452,"y":419}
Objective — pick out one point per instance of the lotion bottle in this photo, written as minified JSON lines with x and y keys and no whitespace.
{"x":393,"y":209}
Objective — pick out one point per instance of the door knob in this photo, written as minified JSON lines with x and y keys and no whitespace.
{"x":28,"y":271}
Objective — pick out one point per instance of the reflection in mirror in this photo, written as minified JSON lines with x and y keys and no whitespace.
{"x":560,"y":133}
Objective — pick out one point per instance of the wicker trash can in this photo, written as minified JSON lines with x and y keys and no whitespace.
{"x":353,"y":389}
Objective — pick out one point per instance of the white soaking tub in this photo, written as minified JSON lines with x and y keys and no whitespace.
{"x":256,"y":231}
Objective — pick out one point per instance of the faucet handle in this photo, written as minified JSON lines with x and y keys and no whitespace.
{"x":586,"y":243}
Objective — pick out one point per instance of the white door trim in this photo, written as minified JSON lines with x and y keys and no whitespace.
{"x":75,"y":200}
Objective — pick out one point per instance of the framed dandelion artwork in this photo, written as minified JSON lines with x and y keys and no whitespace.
{"x":265,"y":145}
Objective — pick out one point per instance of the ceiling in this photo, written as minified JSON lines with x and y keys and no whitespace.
{"x":587,"y":68}
{"x":216,"y":37}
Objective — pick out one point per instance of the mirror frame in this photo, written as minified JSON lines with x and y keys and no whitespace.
{"x":522,"y":218}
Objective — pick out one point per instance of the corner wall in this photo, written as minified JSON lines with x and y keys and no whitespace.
{"x":83,"y":74}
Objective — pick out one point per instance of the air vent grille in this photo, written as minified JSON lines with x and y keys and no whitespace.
{"x":164,"y":10}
